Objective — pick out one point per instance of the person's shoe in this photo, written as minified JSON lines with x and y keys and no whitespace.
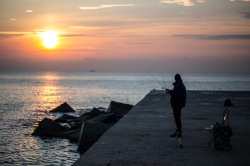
{"x":173,"y":135}
{"x":178,"y":134}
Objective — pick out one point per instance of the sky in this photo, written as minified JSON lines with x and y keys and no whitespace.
{"x":125,"y":35}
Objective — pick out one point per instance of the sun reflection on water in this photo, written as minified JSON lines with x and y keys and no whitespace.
{"x":50,"y":93}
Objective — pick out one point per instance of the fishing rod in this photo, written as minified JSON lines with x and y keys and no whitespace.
{"x":164,"y":82}
{"x":162,"y":85}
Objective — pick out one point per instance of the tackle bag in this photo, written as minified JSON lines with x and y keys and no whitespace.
{"x":222,"y":134}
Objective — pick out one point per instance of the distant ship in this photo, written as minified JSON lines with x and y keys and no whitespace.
{"x":91,"y":70}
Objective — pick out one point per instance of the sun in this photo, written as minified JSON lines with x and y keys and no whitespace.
{"x":49,"y":39}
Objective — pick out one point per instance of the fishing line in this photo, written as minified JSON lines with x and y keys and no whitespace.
{"x":157,"y":81}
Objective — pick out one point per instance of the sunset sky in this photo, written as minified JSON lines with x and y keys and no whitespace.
{"x":125,"y":35}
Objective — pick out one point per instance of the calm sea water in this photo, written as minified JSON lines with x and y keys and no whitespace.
{"x":27,"y":97}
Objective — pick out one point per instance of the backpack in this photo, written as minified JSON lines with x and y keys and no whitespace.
{"x":228,"y":103}
{"x":222,"y":134}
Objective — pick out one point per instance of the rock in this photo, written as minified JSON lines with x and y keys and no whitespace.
{"x":89,"y":115}
{"x":65,"y":118}
{"x":73,"y":135}
{"x":105,"y":118}
{"x":112,"y":119}
{"x":102,"y":109}
{"x":63,"y":108}
{"x":90,"y":133}
{"x":48,"y":127}
{"x":119,"y":108}
{"x":93,"y":129}
{"x":72,"y":125}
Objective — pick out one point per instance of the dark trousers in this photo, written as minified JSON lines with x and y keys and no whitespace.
{"x":177,"y":119}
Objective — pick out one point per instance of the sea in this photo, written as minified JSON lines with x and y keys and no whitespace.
{"x":27,"y":97}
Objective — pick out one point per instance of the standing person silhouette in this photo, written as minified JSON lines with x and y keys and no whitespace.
{"x":177,"y":101}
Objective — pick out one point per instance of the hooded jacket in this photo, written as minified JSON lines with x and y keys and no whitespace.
{"x":178,"y":95}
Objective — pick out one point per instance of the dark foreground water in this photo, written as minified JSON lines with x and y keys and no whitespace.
{"x":27,"y":97}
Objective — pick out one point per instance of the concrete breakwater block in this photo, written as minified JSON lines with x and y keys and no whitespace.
{"x":65,"y":107}
{"x":90,"y":133}
{"x":119,"y":108}
{"x":48,"y":127}
{"x":85,"y":129}
{"x":92,"y":130}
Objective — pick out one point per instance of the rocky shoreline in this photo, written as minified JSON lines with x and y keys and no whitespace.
{"x":85,"y":129}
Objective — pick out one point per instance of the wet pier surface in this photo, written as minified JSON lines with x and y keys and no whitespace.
{"x":142,"y":136}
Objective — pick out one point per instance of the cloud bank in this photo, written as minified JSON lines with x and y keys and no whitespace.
{"x":105,"y":6}
{"x":192,"y":2}
{"x":240,"y":0}
{"x":11,"y":34}
{"x":218,"y":37}
{"x":183,"y":2}
{"x":203,"y":64}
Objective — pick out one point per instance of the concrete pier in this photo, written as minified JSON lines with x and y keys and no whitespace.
{"x":142,"y":136}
